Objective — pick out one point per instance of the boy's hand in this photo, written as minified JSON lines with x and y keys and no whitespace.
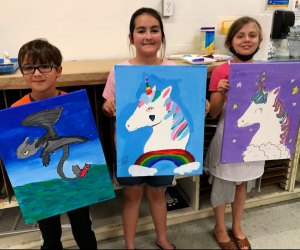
{"x":109,"y":108}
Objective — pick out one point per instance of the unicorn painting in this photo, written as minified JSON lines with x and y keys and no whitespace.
{"x":262,"y":112}
{"x":267,"y":110}
{"x":160,"y":113}
{"x":170,"y":132}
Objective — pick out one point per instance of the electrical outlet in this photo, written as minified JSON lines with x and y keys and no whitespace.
{"x":167,"y":7}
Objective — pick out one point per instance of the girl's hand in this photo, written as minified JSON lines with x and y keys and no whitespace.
{"x":207,"y":107}
{"x":217,"y":98}
{"x":223,"y":86}
{"x":109,"y":108}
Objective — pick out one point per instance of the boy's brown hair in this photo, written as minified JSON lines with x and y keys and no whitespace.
{"x":39,"y":51}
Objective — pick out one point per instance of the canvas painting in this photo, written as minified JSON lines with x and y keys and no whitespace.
{"x":262,"y":112}
{"x":53,"y":156}
{"x":160,"y":119}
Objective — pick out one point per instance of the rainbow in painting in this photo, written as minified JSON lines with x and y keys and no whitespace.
{"x":177,"y":156}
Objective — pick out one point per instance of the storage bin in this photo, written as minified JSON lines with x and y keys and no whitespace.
{"x":9,"y":68}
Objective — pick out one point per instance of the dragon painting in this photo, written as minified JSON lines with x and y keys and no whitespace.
{"x":50,"y":142}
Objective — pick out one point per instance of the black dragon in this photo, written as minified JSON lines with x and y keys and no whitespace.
{"x":50,"y":142}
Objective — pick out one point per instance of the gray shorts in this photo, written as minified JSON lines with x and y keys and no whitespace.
{"x":223,"y":191}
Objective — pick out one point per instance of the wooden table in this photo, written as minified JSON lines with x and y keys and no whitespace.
{"x":75,"y":73}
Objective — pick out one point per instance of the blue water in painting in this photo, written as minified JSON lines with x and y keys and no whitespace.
{"x":81,"y":192}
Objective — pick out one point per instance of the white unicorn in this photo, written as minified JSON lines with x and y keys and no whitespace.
{"x":170,"y":128}
{"x":269,"y":141}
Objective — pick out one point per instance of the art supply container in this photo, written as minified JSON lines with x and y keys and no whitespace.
{"x":294,"y":42}
{"x":207,"y":38}
{"x":225,"y":25}
{"x":8,"y":68}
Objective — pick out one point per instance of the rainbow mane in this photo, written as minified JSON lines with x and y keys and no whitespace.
{"x":284,"y":119}
{"x":282,"y":115}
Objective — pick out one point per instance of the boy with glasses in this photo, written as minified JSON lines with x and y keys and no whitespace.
{"x":40,"y":64}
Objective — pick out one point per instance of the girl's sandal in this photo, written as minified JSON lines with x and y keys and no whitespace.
{"x":242,"y":243}
{"x":160,"y":247}
{"x":229,"y":245}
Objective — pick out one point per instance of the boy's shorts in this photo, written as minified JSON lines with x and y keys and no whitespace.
{"x":152,"y":181}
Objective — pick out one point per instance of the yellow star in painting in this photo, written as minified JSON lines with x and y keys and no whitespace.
{"x":295,"y":90}
{"x":290,"y":140}
{"x":234,"y":106}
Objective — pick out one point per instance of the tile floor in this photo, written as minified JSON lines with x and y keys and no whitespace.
{"x":275,"y":226}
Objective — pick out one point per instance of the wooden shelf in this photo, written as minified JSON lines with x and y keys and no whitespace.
{"x":5,"y":203}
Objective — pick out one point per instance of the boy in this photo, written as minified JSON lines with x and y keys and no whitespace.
{"x":40,"y":64}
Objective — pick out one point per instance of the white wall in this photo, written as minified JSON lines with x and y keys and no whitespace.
{"x":98,"y":29}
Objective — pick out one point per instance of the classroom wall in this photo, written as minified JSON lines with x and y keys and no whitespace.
{"x":98,"y":29}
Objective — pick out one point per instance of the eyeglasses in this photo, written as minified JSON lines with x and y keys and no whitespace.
{"x":45,"y":68}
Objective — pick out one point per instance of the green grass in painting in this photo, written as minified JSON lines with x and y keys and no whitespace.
{"x":44,"y":199}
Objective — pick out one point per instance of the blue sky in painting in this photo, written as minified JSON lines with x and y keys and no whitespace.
{"x":76,"y":120}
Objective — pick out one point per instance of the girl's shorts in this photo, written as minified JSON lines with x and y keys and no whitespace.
{"x":152,"y":181}
{"x":223,"y":191}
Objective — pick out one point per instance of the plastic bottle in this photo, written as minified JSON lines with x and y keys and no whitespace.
{"x":294,"y":42}
{"x":207,"y":38}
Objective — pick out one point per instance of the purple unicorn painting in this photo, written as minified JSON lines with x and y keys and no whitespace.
{"x":262,"y":116}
